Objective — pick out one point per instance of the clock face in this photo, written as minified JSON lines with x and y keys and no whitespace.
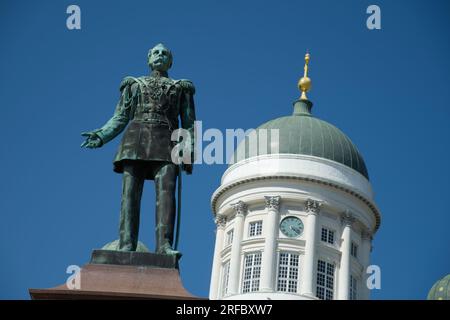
{"x":291,"y":227}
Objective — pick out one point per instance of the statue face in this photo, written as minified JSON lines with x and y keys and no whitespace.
{"x":160,"y":58}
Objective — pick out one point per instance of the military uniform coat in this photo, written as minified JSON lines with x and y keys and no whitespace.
{"x":152,"y":106}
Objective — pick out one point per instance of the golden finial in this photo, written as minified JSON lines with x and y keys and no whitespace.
{"x":304,"y":84}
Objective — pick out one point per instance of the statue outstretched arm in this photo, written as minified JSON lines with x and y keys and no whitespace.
{"x":187,"y":115}
{"x":122,"y":115}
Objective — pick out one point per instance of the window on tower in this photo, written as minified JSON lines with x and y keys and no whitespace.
{"x":255,"y":228}
{"x":229,"y":239}
{"x":354,"y":250}
{"x":327,"y":235}
{"x":288,"y":272}
{"x":325,"y":280}
{"x":252,"y":272}
{"x":225,"y":277}
{"x":353,"y":288}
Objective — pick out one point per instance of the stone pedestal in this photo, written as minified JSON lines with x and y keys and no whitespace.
{"x":123,"y":275}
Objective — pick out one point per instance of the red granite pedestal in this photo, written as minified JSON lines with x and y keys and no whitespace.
{"x":123,"y":275}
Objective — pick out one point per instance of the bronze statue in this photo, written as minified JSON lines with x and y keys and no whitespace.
{"x":152,"y":106}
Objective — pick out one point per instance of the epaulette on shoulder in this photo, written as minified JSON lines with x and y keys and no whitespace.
{"x":187,"y":85}
{"x":127,"y":81}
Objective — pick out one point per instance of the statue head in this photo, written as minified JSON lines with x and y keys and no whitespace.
{"x":160,"y":58}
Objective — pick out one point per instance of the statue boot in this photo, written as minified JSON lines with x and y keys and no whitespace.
{"x":165,"y":181}
{"x":163,"y":241}
{"x":132,"y":186}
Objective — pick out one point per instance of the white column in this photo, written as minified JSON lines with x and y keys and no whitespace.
{"x":235,"y":260}
{"x":217,"y":260}
{"x":366,"y":248}
{"x":344,"y":269}
{"x":312,"y":207}
{"x":271,"y":234}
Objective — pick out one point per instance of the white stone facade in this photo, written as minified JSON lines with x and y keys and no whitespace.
{"x":253,"y":259}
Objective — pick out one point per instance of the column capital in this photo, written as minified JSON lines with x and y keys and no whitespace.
{"x":273,"y":202}
{"x":220,"y":221}
{"x":240,"y":207}
{"x":312,"y":206}
{"x":347,"y":218}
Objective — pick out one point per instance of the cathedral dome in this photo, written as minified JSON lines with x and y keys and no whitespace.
{"x":303,"y":134}
{"x":440,"y":290}
{"x":294,"y":184}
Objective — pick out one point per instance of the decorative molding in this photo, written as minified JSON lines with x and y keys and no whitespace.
{"x":225,"y":253}
{"x":312,"y":206}
{"x":331,"y":252}
{"x":220,"y":221}
{"x":226,"y":188}
{"x":253,"y":243}
{"x":291,"y":244}
{"x":273,"y":202}
{"x":240,"y":207}
{"x":347,"y":218}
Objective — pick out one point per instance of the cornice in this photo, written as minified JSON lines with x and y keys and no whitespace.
{"x":222,"y":189}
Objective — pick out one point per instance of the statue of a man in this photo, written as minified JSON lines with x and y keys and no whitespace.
{"x":152,"y":106}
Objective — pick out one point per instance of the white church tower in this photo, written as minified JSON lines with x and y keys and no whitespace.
{"x":296,"y":223}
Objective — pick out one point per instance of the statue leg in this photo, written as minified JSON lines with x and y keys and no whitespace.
{"x":165,"y":184}
{"x":132,"y":185}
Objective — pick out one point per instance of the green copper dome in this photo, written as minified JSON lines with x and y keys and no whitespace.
{"x":440,"y":290}
{"x":301,"y":133}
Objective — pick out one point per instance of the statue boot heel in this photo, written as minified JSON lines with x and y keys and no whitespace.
{"x":167,"y":249}
{"x":163,"y":245}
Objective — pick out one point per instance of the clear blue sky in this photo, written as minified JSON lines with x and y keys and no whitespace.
{"x":388,"y":90}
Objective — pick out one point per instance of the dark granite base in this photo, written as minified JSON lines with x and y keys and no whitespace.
{"x":133,"y":258}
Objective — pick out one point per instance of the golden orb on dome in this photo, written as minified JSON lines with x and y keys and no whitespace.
{"x":304,"y":84}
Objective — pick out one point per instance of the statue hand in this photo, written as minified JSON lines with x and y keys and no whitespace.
{"x":187,"y":167}
{"x":92,"y":140}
